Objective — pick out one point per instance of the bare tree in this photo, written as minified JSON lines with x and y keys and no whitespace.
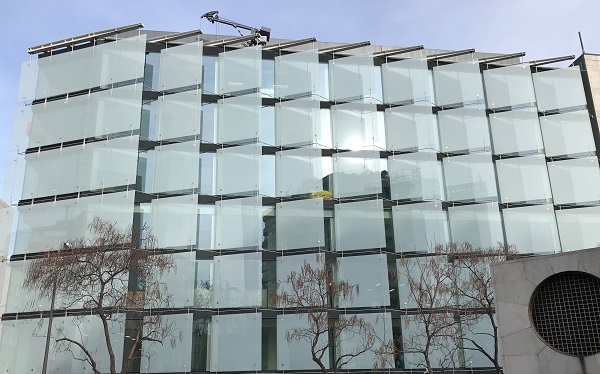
{"x":115,"y":273}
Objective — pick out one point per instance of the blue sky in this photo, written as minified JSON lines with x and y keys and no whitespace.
{"x":541,"y":28}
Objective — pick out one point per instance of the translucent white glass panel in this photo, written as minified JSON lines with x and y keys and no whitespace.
{"x":350,"y":78}
{"x":532,"y":229}
{"x":442,"y":349}
{"x":407,"y":81}
{"x":477,"y":224}
{"x":296,"y":74}
{"x":240,"y":70}
{"x":239,"y":333}
{"x":238,"y":118}
{"x":287,"y":264}
{"x":419,"y":227}
{"x":420,"y":271}
{"x":239,"y":223}
{"x":238,"y":169}
{"x":181,"y":66}
{"x":567,"y":133}
{"x":47,"y":226}
{"x":22,"y":119}
{"x":516,"y":131}
{"x":359,"y":225}
{"x":578,"y":228}
{"x":523,"y":179}
{"x":297,"y":122}
{"x":175,"y":352}
{"x":370,"y":274}
{"x":470,"y":177}
{"x":305,"y":214}
{"x":85,"y":167}
{"x":20,"y":345}
{"x":296,"y":354}
{"x":416,"y":176}
{"x":458,"y":83}
{"x":179,"y":115}
{"x":482,"y":333}
{"x":355,"y":126}
{"x":464,"y":129}
{"x":352,"y":340}
{"x":559,"y":89}
{"x":180,"y":280}
{"x":13,"y":179}
{"x":410,"y":128}
{"x":298,"y":171}
{"x":356,"y":173}
{"x":28,"y":81}
{"x":509,"y":86}
{"x":7,"y":214}
{"x":177,"y":167}
{"x":174,"y":221}
{"x":18,"y":298}
{"x":238,"y":280}
{"x":575,"y":181}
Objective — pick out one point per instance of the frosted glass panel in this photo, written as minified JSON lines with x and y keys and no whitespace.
{"x":350,"y":78}
{"x":568,"y":133}
{"x":47,"y":226}
{"x":532,"y":229}
{"x":307,"y":214}
{"x":18,"y":298}
{"x":181,"y":66}
{"x":239,"y":333}
{"x":286,"y":265}
{"x":414,"y":339}
{"x":356,"y":173}
{"x":410,"y":128}
{"x":416,"y":176}
{"x":180,"y":281}
{"x":458,"y":83}
{"x":578,"y":228}
{"x":296,"y":74}
{"x":359,"y":225}
{"x":370,"y":274}
{"x":419,"y":227}
{"x":516,"y":131}
{"x":296,"y":354}
{"x":355,"y":126}
{"x":297,"y":122}
{"x":174,"y":221}
{"x":481,"y":332}
{"x":20,"y":347}
{"x":575,"y":181}
{"x":509,"y":86}
{"x":28,"y":81}
{"x":298,"y":171}
{"x":470,"y":177}
{"x":238,"y":280}
{"x":406,"y":82}
{"x":177,"y":167}
{"x":559,"y":89}
{"x":13,"y":179}
{"x":175,"y":353}
{"x":240,"y":70}
{"x":238,"y":119}
{"x":238,"y":169}
{"x":464,"y":129}
{"x":239,"y":223}
{"x":523,"y":179}
{"x":352,"y":340}
{"x":179,"y":115}
{"x":418,"y":270}
{"x":476,"y":224}
{"x":19,"y":139}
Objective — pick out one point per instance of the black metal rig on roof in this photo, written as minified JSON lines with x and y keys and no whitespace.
{"x":263,"y":34}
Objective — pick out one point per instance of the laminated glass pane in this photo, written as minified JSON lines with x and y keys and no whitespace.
{"x":174,"y":221}
{"x":464,"y":129}
{"x":419,"y":227}
{"x":240,"y":70}
{"x":567,"y":133}
{"x":415,"y":176}
{"x":370,"y":274}
{"x":118,"y":61}
{"x":239,"y":223}
{"x":174,"y":354}
{"x":13,"y":179}
{"x":238,"y":280}
{"x":379,"y":327}
{"x":442,"y":349}
{"x":351,"y":78}
{"x":179,"y":115}
{"x":575,"y":181}
{"x":424,"y":274}
{"x":481,"y":332}
{"x":28,"y":81}
{"x":532,"y":229}
{"x":286,"y":265}
{"x":296,"y":353}
{"x":296,"y":74}
{"x":238,"y":169}
{"x":411,"y":128}
{"x":516,"y":131}
{"x":298,"y":171}
{"x":509,"y":86}
{"x":209,"y":122}
{"x":55,"y":76}
{"x":305,"y":214}
{"x":578,"y":228}
{"x":7,"y":214}
{"x":46,"y":226}
{"x":21,"y":344}
{"x":181,"y":66}
{"x":407,"y":82}
{"x":477,"y":224}
{"x":470,"y":177}
{"x":523,"y":179}
{"x":356,"y":173}
{"x":359,"y":225}
{"x":179,"y":281}
{"x":559,"y":89}
{"x":239,"y":333}
{"x":297,"y":122}
{"x":177,"y":167}
{"x":458,"y":84}
{"x":238,"y":119}
{"x":18,"y":298}
{"x":356,"y":126}
{"x":22,"y":120}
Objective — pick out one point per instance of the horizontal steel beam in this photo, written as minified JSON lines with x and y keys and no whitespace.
{"x":439,"y":56}
{"x":344,"y":47}
{"x":397,"y":51}
{"x":175,"y":36}
{"x":291,"y":43}
{"x":501,"y":58}
{"x":234,"y":40}
{"x":549,"y":60}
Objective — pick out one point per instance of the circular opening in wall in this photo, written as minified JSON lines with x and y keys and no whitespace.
{"x":565,"y":311}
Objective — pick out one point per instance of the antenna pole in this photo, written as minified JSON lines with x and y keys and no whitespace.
{"x":581,"y":42}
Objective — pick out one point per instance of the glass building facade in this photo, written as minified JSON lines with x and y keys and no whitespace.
{"x":247,"y":163}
